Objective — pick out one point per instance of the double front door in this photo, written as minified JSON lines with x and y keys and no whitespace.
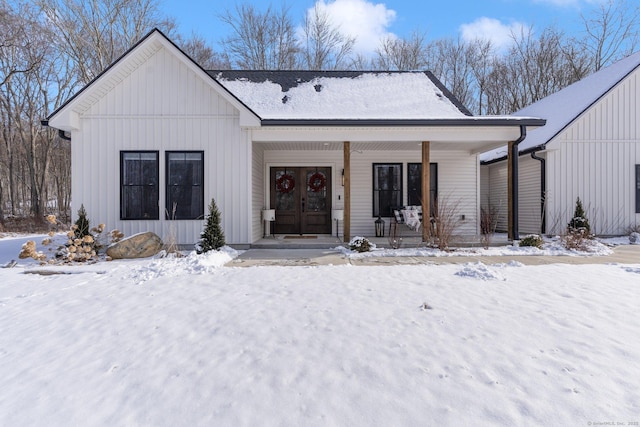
{"x":301,"y":197}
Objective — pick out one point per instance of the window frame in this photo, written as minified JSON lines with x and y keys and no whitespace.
{"x":376,"y":206}
{"x":169,"y":215}
{"x":433,"y":191}
{"x":638,"y":189}
{"x":123,"y":186}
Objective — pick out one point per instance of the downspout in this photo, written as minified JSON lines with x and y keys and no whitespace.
{"x":543,"y":190}
{"x":514,"y":180}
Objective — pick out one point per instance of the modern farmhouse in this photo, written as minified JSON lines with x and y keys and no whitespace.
{"x":155,"y":137}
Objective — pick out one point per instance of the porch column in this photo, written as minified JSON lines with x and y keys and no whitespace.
{"x":512,"y":190}
{"x":426,"y":191}
{"x":347,"y":191}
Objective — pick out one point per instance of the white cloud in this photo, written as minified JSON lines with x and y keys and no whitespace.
{"x":491,"y":29}
{"x":367,"y":22}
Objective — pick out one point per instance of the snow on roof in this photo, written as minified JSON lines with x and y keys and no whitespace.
{"x":366,"y":96}
{"x":564,"y":106}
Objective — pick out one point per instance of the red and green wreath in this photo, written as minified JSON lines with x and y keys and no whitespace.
{"x":317,"y":182}
{"x":286,"y":183}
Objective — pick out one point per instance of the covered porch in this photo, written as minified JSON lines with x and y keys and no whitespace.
{"x":350,"y":156}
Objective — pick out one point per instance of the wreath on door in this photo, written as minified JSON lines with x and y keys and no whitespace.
{"x":286,"y":183}
{"x":317,"y":182}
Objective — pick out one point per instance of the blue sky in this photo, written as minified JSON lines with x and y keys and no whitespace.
{"x":371,"y":20}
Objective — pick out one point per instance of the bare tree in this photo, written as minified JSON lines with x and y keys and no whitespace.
{"x":94,"y":33}
{"x":21,"y":53}
{"x":611,"y":31}
{"x":324,"y":47}
{"x":402,"y":54}
{"x":260,"y":40}
{"x":198,"y":49}
{"x":450,"y":62}
{"x":482,"y":57}
{"x":534,"y":67}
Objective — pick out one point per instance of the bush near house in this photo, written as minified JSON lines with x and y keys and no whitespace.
{"x":361,"y":244}
{"x":532,"y":240}
{"x":578,"y":230}
{"x":579,"y":220}
{"x":212,"y":237}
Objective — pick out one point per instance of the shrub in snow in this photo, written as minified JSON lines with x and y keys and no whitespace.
{"x":579,"y":221}
{"x":361,"y":244}
{"x":532,"y":240}
{"x":82,"y":243}
{"x":578,"y":231}
{"x":212,"y":237}
{"x":81,"y":226}
{"x":634,"y":238}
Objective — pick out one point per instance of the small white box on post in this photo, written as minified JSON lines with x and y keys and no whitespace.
{"x":268,"y":215}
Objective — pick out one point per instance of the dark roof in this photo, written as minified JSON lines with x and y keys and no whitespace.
{"x":288,"y":79}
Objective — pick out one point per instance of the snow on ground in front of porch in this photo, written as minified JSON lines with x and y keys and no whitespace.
{"x":369,"y":96}
{"x":186,"y":341}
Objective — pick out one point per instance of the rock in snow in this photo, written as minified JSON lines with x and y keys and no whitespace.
{"x":141,"y":245}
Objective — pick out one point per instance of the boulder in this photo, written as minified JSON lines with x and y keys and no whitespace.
{"x":141,"y":245}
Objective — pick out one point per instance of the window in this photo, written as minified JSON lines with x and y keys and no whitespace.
{"x":387,"y":188}
{"x":414,"y":181}
{"x":139,"y":185}
{"x":637,"y":188}
{"x":185,"y":184}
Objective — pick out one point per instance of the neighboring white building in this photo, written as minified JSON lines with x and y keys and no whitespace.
{"x":589,"y":148}
{"x":155,"y":131}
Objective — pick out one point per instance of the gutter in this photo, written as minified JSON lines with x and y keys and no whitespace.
{"x":62,"y":134}
{"x":465,"y":121}
{"x":543,"y":190}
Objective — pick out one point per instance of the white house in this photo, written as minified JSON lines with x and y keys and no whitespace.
{"x":589,"y":148}
{"x":155,"y":138}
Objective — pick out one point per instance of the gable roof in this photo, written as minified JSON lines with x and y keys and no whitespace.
{"x":66,"y":116}
{"x":354,"y":98}
{"x":565,"y":106}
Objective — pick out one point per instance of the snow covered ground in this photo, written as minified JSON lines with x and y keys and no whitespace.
{"x":188,"y":342}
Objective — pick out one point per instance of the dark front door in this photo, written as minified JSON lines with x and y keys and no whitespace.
{"x":301,"y":197}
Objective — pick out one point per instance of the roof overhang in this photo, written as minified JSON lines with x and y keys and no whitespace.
{"x":473,"y":135}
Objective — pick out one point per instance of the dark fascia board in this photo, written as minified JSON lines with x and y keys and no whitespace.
{"x":448,"y":94}
{"x":540,"y":147}
{"x":483,"y":122}
{"x":131,"y":49}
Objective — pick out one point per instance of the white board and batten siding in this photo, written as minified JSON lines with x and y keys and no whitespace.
{"x":594,"y":159}
{"x":173,"y":108}
{"x":457,"y":181}
{"x":496,"y":194}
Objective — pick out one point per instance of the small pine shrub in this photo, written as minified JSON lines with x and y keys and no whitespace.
{"x":532,"y":240}
{"x":361,"y":244}
{"x":579,"y":220}
{"x":212,"y":237}
{"x":81,"y":226}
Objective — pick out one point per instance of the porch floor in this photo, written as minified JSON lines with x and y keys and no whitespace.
{"x":325,"y":241}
